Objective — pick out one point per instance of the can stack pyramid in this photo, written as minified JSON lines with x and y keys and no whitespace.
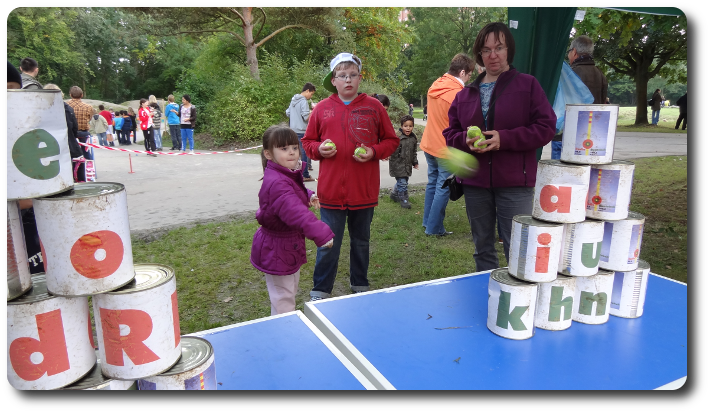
{"x":86,"y":249}
{"x":576,"y":257}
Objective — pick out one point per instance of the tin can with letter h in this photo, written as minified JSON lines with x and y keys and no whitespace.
{"x":555,"y":301}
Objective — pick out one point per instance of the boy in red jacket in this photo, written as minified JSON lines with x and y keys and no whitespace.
{"x":348,"y":183}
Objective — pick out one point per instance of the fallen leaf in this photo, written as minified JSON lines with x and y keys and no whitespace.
{"x":220,"y":383}
{"x":457,"y":360}
{"x":406,"y":245}
{"x":450,"y":328}
{"x":669,"y":267}
{"x":416,"y":213}
{"x":378,"y":266}
{"x":228,"y":299}
{"x":429,"y":316}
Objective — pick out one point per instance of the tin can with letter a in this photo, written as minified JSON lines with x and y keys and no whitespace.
{"x":592,"y":298}
{"x":194,"y":371}
{"x":629,"y":292}
{"x":38,"y":160}
{"x":48,"y":339}
{"x":138,"y":325}
{"x":621,"y":246}
{"x":581,"y":248}
{"x":534,"y":249}
{"x":97,"y":381}
{"x":511,"y":306}
{"x":86,"y":239}
{"x":589,"y":134}
{"x":555,"y":301}
{"x":560,"y":191}
{"x":610,"y":190}
{"x":19,"y":279}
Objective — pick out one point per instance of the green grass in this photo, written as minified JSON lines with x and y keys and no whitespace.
{"x":218,"y":286}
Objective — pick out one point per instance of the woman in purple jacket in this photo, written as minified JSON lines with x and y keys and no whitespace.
{"x":513,"y":112}
{"x":279,"y":246}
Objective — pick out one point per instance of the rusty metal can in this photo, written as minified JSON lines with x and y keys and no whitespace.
{"x":621,"y":246}
{"x":610,"y":190}
{"x":48,"y":337}
{"x":555,"y":301}
{"x":592,"y":298}
{"x":629,"y":292}
{"x":589,"y":134}
{"x":194,"y":371}
{"x":534,"y":249}
{"x":19,"y":279}
{"x":86,"y":239}
{"x":97,"y":381}
{"x":138,"y":325}
{"x":581,"y":248}
{"x":511,"y":306}
{"x":38,"y":160}
{"x":560,"y":191}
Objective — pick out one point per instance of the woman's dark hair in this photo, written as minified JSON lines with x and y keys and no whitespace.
{"x":497,"y":28}
{"x":142,"y":101}
{"x":187,"y":98}
{"x":383,"y":99}
{"x":277,"y":136}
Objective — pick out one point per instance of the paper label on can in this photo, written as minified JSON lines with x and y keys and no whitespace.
{"x":606,"y":241}
{"x":635,"y":244}
{"x":603,"y":189}
{"x":617,"y":289}
{"x":144,"y":384}
{"x":206,"y":380}
{"x":592,"y":133}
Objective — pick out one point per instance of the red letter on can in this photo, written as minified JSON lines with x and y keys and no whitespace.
{"x":176,"y":318}
{"x":51,"y":344}
{"x":564,"y":198}
{"x":542,"y":258}
{"x":83,"y":259}
{"x":140,"y":325}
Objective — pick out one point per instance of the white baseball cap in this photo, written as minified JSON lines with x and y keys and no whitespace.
{"x":342,"y":57}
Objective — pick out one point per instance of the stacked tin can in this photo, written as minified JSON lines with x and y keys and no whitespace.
{"x":86,"y":249}
{"x":576,"y":256}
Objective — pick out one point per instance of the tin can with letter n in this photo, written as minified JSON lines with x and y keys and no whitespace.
{"x":555,"y":301}
{"x":621,"y":246}
{"x":49,"y":339}
{"x":511,"y":306}
{"x":581,"y":248}
{"x":97,"y":381}
{"x":534,"y":249}
{"x":86,"y":239}
{"x":138,"y":325}
{"x":194,"y":371}
{"x":560,"y":191}
{"x":592,"y":298}
{"x":589,"y":134}
{"x":19,"y":279}
{"x":38,"y":160}
{"x":610,"y":190}
{"x":629,"y":292}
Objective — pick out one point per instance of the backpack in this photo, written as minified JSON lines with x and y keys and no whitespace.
{"x":650,"y":102}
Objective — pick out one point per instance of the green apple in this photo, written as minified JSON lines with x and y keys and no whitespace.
{"x":329,"y":145}
{"x":460,"y":163}
{"x":359,"y":151}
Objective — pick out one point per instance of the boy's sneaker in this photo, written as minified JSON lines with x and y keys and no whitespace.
{"x":394,"y":196}
{"x":192,"y":152}
{"x":315,"y":298}
{"x":404,"y":200}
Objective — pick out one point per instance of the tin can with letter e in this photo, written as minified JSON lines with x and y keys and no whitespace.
{"x":581,"y":248}
{"x":19,"y":279}
{"x":38,"y":160}
{"x":534,"y":249}
{"x":555,"y":301}
{"x":194,"y":371}
{"x":610,"y":190}
{"x":511,"y":306}
{"x":138,"y":325}
{"x":589,"y":134}
{"x":97,"y":381}
{"x":592,"y":298}
{"x":629,"y":292}
{"x":48,"y":339}
{"x":86,"y":239}
{"x":560,"y":191}
{"x":621,"y":246}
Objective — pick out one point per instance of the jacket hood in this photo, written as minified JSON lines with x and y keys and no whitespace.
{"x":296,"y":98}
{"x":445,"y":85}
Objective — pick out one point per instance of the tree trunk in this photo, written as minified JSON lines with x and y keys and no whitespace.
{"x":641,"y":100}
{"x":252,"y":61}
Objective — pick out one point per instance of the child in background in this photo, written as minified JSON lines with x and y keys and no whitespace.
{"x":383,"y":99}
{"x":279,"y":246}
{"x":117,"y":126}
{"x":402,"y":161}
{"x":127,"y":127}
{"x":348,"y":184}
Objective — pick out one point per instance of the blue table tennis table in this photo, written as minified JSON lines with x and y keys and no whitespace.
{"x":433,"y":336}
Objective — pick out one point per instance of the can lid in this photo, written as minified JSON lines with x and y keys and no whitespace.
{"x":557,"y":162}
{"x":503,"y":276}
{"x":94,"y":378}
{"x":529,"y":220}
{"x":195,"y":352}
{"x":644,"y":265}
{"x":615,"y":162}
{"x":635,"y":215}
{"x":147,"y":276}
{"x":37,"y":293}
{"x":86,"y":190}
{"x":601,"y":105}
{"x":604,"y":272}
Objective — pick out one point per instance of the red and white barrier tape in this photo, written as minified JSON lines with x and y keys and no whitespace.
{"x":112,"y":148}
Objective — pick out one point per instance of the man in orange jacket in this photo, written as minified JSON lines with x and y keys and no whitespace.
{"x":439,"y":98}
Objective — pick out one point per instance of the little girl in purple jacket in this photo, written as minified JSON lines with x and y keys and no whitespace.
{"x":279,"y":246}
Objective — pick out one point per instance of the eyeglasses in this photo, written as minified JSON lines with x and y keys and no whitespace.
{"x":344,"y":78}
{"x":487,"y":52}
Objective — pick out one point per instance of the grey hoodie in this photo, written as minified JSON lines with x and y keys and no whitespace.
{"x":298,"y":112}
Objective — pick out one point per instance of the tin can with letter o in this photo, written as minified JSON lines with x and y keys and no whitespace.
{"x":97,"y":381}
{"x":194,"y":371}
{"x":19,"y":279}
{"x":592,"y":298}
{"x":138,"y":325}
{"x":629,"y":292}
{"x":589,"y":134}
{"x":621,"y":246}
{"x":581,"y":248}
{"x":86,"y":239}
{"x":38,"y":160}
{"x":610,"y":190}
{"x":560,"y":191}
{"x":534,"y":249}
{"x":555,"y":301}
{"x":511,"y":306}
{"x":48,"y":339}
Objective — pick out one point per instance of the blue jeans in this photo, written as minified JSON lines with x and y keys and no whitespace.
{"x":187,"y":135}
{"x":655,"y":115}
{"x":556,"y":149}
{"x":304,"y":158}
{"x":401,"y":184}
{"x":359,"y":221}
{"x":435,"y":198}
{"x":157,"y":137}
{"x":102,"y":138}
